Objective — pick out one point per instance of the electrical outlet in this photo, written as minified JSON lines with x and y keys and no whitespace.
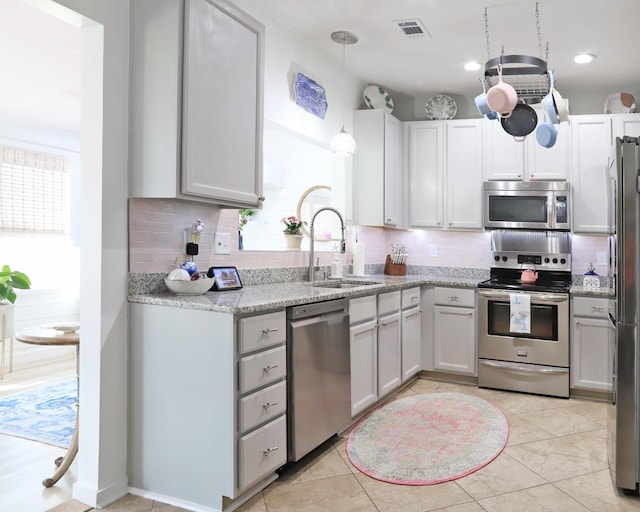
{"x":433,"y":250}
{"x":601,"y":258}
{"x":591,"y":282}
{"x":221,"y":243}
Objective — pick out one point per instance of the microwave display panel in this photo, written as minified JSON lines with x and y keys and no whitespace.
{"x":518,"y":209}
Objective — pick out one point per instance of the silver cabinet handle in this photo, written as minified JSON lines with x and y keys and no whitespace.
{"x":267,"y":331}
{"x":597,"y":308}
{"x":269,"y":367}
{"x":415,"y":298}
{"x":453,"y":298}
{"x":261,"y":198}
{"x":269,"y":450}
{"x":266,"y":405}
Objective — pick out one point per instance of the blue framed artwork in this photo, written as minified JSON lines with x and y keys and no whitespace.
{"x":310,"y":95}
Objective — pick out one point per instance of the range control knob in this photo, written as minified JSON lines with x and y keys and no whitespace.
{"x":555,"y":260}
{"x":504,"y":258}
{"x":546,"y":260}
{"x":563,"y":261}
{"x":497,"y":258}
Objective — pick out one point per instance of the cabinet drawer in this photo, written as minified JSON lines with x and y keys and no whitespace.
{"x":465,"y":297}
{"x":362,"y":308}
{"x":262,"y":452}
{"x":589,"y":306}
{"x":257,"y":332}
{"x":263,"y":368}
{"x":410,"y":297}
{"x":389,"y":302}
{"x":262,"y":406}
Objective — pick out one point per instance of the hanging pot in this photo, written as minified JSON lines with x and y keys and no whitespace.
{"x":502,"y":97}
{"x":561,"y":107}
{"x":548,"y":103}
{"x":521,"y":122}
{"x":482,"y":105}
{"x":546,"y":134}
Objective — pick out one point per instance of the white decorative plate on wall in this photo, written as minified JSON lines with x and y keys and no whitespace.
{"x":620,"y":103}
{"x":376,"y":97}
{"x":440,"y":107}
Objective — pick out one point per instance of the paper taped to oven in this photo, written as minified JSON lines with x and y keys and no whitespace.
{"x":520,"y":313}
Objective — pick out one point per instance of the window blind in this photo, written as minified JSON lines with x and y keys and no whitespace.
{"x":33,"y":191}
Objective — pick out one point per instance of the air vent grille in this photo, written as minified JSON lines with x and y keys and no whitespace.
{"x":412,"y":28}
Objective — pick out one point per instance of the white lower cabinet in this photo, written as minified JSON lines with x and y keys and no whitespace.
{"x":376,"y":348}
{"x":591,"y":355}
{"x":209,"y":399}
{"x":454,"y":343}
{"x":363,"y":339}
{"x":411,"y":330}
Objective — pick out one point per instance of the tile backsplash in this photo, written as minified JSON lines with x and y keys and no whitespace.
{"x":156,"y":242}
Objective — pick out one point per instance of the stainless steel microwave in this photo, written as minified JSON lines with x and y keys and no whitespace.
{"x":527,"y":205}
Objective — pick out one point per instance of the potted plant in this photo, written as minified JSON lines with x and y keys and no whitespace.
{"x":292,"y":231}
{"x":10,"y":280}
{"x":244,"y":216}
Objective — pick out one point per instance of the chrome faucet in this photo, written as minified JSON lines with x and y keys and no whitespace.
{"x":343,"y":244}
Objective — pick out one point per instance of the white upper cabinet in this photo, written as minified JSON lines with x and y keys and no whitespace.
{"x":197,"y":102}
{"x":591,"y":146}
{"x":508,"y":159}
{"x":445,"y":174}
{"x":377,"y":169}
{"x":463,"y":176}
{"x":426,"y":173}
{"x":626,"y":124}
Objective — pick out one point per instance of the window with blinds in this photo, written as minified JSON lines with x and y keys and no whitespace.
{"x":33,"y":191}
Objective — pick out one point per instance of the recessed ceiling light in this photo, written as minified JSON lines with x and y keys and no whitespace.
{"x":584,"y":58}
{"x":472,"y":66}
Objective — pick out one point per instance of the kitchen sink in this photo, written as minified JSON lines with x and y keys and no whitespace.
{"x":342,"y":284}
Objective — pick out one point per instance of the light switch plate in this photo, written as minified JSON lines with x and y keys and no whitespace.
{"x":222,"y":243}
{"x":591,"y":282}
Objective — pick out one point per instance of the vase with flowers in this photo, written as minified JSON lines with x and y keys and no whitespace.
{"x":244,"y":216}
{"x":292,"y":231}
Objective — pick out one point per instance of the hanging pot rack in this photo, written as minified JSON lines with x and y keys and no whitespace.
{"x":527,"y":74}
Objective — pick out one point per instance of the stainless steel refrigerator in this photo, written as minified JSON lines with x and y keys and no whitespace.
{"x":624,"y":244}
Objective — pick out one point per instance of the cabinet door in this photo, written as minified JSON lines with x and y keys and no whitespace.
{"x":392,"y":170}
{"x":590,"y":146}
{"x":389,"y":354}
{"x":376,"y":169}
{"x":464,"y":174}
{"x":426,"y":173}
{"x":364,"y":365}
{"x":222,"y":103}
{"x":590,"y":356}
{"x":454,"y":343}
{"x":502,"y":156}
{"x":626,"y":124}
{"x":411,"y":341}
{"x":552,"y":163}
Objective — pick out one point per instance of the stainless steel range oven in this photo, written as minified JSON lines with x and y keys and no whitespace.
{"x":534,"y":359}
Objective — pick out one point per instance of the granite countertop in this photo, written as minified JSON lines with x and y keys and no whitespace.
{"x":264,"y":297}
{"x":269,"y":289}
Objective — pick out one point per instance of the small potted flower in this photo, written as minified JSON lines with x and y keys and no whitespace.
{"x":292,"y":231}
{"x":244,"y":216}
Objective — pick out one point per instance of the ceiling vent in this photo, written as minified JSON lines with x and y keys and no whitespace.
{"x":412,"y":28}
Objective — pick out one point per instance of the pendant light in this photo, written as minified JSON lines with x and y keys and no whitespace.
{"x":342,"y":142}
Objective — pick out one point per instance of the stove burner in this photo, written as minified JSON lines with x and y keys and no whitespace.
{"x":509,"y":279}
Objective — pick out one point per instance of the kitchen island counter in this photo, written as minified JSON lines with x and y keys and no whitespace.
{"x":265,"y":297}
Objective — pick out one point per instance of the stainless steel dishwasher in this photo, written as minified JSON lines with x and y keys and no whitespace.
{"x":318,"y":374}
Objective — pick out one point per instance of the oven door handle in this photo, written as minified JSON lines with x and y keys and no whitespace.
{"x":506,"y":366}
{"x":537,"y":297}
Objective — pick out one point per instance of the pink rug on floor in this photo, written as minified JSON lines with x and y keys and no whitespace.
{"x":428,"y":439}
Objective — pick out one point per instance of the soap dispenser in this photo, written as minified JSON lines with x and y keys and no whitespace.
{"x":336,"y":266}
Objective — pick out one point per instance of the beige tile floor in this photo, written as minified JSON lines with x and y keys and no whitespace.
{"x":555,"y":460}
